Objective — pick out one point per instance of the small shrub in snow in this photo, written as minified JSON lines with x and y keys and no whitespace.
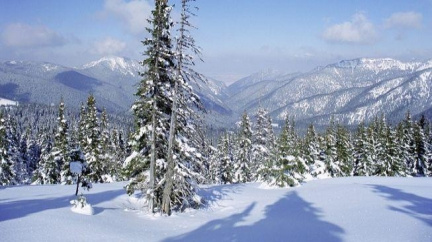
{"x":81,"y":206}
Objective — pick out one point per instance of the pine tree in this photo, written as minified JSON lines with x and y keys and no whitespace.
{"x":7,"y":174}
{"x":90,"y":141}
{"x":48,"y":170}
{"x":107,"y":150}
{"x":344,"y":151}
{"x":331,"y":161}
{"x":422,"y":152}
{"x":262,"y":146}
{"x":152,"y":110}
{"x":405,"y":133}
{"x":362,"y":153}
{"x":310,"y":147}
{"x":61,"y":146}
{"x":224,"y":172}
{"x":392,"y":163}
{"x":179,"y":188}
{"x":242,"y":151}
{"x":289,"y":166}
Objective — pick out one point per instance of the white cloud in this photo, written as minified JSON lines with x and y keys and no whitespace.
{"x":404,"y":20}
{"x":108,"y":46}
{"x":357,"y":31}
{"x":24,"y":35}
{"x":132,"y":14}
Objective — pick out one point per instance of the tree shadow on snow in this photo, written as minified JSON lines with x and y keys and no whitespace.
{"x":289,"y":219}
{"x":21,"y":208}
{"x":419,"y":207}
{"x":213,"y":194}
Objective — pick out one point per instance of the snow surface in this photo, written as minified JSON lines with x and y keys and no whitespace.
{"x":7,"y":102}
{"x":343,"y":209}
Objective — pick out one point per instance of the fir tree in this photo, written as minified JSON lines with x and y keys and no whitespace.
{"x":224,"y":169}
{"x":7,"y":174}
{"x":262,"y":146}
{"x":152,"y":110}
{"x":90,"y":141}
{"x":289,"y":167}
{"x":405,"y":133}
{"x":344,"y":151}
{"x":242,"y":152}
{"x":331,"y":161}
{"x":422,"y":152}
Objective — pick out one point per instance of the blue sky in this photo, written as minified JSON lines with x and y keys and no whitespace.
{"x":238,"y":37}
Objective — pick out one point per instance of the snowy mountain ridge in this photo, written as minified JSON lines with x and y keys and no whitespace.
{"x":351,"y":91}
{"x":122,"y":64}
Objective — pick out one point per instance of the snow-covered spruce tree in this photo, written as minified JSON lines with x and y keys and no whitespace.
{"x":146,"y":165}
{"x":405,"y":132}
{"x":47,"y":169}
{"x":13,"y":151}
{"x":53,"y":167}
{"x":183,"y":157}
{"x":61,"y":147}
{"x":107,"y":153}
{"x":330,"y":151}
{"x":242,"y":151}
{"x":392,"y":163}
{"x":289,"y":166}
{"x":213,"y":175}
{"x":263,"y":145}
{"x":422,"y":152}
{"x":344,"y":151}
{"x":90,"y":141}
{"x":310,"y":147}
{"x":7,"y":174}
{"x":223,"y":170}
{"x":362,"y":162}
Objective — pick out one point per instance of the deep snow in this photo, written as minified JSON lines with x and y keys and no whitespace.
{"x":342,"y":209}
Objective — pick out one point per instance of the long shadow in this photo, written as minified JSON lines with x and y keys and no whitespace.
{"x":214,"y":194}
{"x":10,"y":91}
{"x":289,"y":219}
{"x":21,"y":208}
{"x":419,"y":207}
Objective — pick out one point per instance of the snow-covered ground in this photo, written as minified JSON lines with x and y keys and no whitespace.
{"x":343,"y":209}
{"x":7,"y":102}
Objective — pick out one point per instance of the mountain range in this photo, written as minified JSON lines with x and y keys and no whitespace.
{"x":350,"y":91}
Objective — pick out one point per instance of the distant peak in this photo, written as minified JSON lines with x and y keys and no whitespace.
{"x":113,"y":62}
{"x":123,"y":65}
{"x":376,"y":64}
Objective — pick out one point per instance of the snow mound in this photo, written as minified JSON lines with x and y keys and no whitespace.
{"x":81,"y":206}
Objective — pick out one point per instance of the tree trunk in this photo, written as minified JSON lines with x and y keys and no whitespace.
{"x":77,"y":187}
{"x":169,"y":175}
{"x":153,"y":157}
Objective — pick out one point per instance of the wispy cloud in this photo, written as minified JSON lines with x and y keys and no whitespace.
{"x":23,"y":35}
{"x":133,"y":14}
{"x":108,"y":46}
{"x":406,"y":20}
{"x":357,"y":31}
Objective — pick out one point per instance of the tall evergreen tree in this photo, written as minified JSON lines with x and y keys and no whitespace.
{"x":344,"y":151}
{"x":263,"y":145}
{"x":7,"y":173}
{"x":224,"y":169}
{"x":289,"y":166}
{"x":179,"y":179}
{"x":91,"y":141}
{"x":242,"y":151}
{"x":152,"y":110}
{"x":422,"y":152}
